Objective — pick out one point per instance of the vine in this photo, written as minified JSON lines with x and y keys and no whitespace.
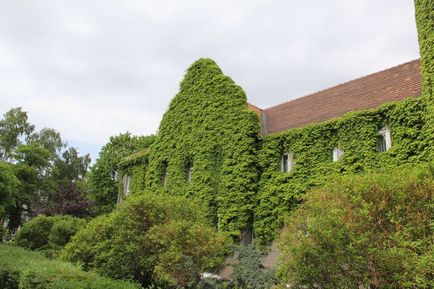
{"x":209,"y":127}
{"x":356,"y":134}
{"x":236,"y":174}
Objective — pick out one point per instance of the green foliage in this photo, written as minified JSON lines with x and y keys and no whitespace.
{"x":23,"y":269}
{"x":248,"y":273}
{"x":8,"y":187}
{"x":48,"y":234}
{"x":208,"y":127}
{"x":49,"y":139}
{"x":71,"y":166}
{"x":134,"y":166}
{"x":43,"y":165}
{"x":151,"y":239}
{"x":425,"y":28}
{"x":103,"y":178}
{"x":312,"y":146}
{"x":373,"y":230}
{"x":13,"y":127}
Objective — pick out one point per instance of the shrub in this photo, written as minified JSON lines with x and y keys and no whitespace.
{"x":24,"y":269}
{"x":48,"y":234}
{"x":249,"y":272}
{"x":161,"y":240}
{"x":373,"y":231}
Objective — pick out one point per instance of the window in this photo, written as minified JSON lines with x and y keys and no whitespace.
{"x":287,"y":162}
{"x":126,"y":180}
{"x":337,"y":154}
{"x":189,"y":171}
{"x":164,"y":174}
{"x":384,"y":139}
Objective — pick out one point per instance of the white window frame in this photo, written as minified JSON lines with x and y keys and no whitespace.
{"x":189,"y":172}
{"x":127,"y":184}
{"x":386,"y":134}
{"x":337,"y":153}
{"x":289,"y":162}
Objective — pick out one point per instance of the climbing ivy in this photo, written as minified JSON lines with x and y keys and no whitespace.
{"x":134,"y":166}
{"x":236,"y":173}
{"x":356,"y":134}
{"x":425,"y":27}
{"x":208,"y":129}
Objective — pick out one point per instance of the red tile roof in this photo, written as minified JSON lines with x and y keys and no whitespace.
{"x":393,"y":84}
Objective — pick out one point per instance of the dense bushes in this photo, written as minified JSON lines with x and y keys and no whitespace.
{"x":159,"y":240}
{"x":373,"y":230}
{"x":23,"y":269}
{"x":48,"y":234}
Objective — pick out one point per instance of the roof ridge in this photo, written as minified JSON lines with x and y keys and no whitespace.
{"x":342,"y":83}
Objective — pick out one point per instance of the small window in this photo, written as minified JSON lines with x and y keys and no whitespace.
{"x":287,"y":162}
{"x":337,"y":154}
{"x":127,"y":184}
{"x":164,"y":174}
{"x":384,"y":139}
{"x":189,"y":171}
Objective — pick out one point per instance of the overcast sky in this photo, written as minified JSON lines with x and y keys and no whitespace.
{"x":92,"y":69}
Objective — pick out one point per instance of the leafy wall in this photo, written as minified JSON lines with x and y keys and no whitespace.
{"x":237,"y":175}
{"x":425,"y":27}
{"x":134,"y":166}
{"x":312,"y":146}
{"x":208,"y":129}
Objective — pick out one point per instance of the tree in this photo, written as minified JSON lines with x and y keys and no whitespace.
{"x":49,"y":139}
{"x":50,"y":175}
{"x":32,"y":169}
{"x":70,"y":196}
{"x":103,"y":178}
{"x":9,"y":185}
{"x":13,"y":127}
{"x":70,"y":166}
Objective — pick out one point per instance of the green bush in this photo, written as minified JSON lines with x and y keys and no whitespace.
{"x":373,"y":231}
{"x":249,"y":272}
{"x":24,"y":269}
{"x":161,"y":240}
{"x":48,"y":234}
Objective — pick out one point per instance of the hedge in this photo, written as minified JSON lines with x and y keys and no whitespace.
{"x":24,"y":269}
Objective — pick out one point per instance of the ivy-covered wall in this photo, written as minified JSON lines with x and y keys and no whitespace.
{"x":425,"y":26}
{"x":135,"y":167}
{"x":209,"y":130}
{"x":356,"y":134}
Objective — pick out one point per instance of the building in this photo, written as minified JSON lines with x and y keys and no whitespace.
{"x":249,"y":166}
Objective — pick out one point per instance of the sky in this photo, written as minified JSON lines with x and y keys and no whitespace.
{"x":92,"y":69}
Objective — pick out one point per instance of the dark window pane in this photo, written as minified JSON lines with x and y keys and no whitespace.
{"x":285,"y":163}
{"x":382,"y":143}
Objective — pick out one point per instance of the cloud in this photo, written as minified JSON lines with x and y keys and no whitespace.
{"x":92,"y":69}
